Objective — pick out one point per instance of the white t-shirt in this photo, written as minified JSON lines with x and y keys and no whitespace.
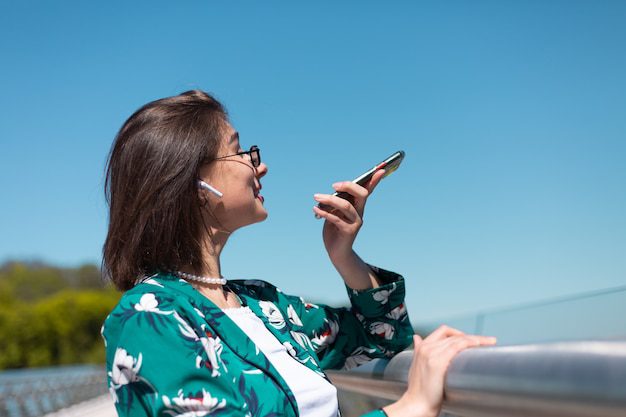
{"x":316,"y":397}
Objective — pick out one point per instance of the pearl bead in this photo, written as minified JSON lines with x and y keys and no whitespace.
{"x":205,"y":280}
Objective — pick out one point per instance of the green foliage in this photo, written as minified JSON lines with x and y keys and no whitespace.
{"x":28,"y":284}
{"x":6,"y":294}
{"x":51,"y":316}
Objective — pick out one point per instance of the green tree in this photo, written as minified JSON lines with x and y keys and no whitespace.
{"x":52,"y":316}
{"x":29,"y":284}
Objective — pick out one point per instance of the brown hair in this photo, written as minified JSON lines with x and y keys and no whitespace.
{"x":154,"y":218}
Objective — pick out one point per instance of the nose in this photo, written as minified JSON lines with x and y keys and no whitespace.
{"x":261,"y":170}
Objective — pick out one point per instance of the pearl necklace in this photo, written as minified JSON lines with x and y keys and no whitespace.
{"x":205,"y":280}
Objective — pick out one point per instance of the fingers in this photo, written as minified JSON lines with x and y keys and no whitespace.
{"x":352,"y":188}
{"x":378,"y":175}
{"x":447,"y":349}
{"x":442,"y":354}
{"x":332,"y":218}
{"x":485,"y":340}
{"x":432,"y":357}
{"x":438,"y":354}
{"x":458,"y":343}
{"x":417,"y":342}
{"x":352,"y":192}
{"x":336,"y":205}
{"x":443,"y":332}
{"x":359,"y":193}
{"x":445,"y":342}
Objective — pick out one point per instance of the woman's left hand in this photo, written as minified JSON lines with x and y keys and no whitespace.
{"x":345,"y":217}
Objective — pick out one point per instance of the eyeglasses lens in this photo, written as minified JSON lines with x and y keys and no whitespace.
{"x":255,"y":156}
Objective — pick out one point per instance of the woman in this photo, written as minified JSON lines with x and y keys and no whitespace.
{"x":184,"y":340}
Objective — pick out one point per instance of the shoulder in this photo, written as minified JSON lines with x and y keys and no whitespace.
{"x":261,"y":291}
{"x":269,"y":297}
{"x":153,"y":309}
{"x":150,"y":288}
{"x":253,"y":283}
{"x":155,"y":294}
{"x":256,"y":288}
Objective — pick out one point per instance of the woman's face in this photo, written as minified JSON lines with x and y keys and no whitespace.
{"x":239,"y":181}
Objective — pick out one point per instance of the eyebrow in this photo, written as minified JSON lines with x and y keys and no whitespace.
{"x":234,"y":137}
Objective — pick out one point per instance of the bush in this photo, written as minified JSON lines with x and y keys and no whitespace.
{"x":60,"y":327}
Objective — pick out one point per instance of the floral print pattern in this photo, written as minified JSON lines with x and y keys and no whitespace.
{"x":383,"y":295}
{"x":192,"y":406}
{"x":293,"y":316}
{"x":327,"y":335}
{"x":273,"y":314}
{"x":213,"y":349}
{"x":172,"y":352}
{"x":358,"y":357}
{"x":125,"y":368}
{"x":381,"y":329}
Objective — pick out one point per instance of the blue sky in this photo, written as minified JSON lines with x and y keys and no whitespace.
{"x":512,"y":115}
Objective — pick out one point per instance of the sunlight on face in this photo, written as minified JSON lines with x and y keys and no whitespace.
{"x":239,"y":181}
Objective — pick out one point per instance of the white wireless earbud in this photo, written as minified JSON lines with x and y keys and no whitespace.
{"x":210,"y":189}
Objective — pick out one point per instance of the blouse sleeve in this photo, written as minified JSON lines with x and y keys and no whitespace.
{"x":157,"y":365}
{"x":375,"y":413}
{"x":375,"y":326}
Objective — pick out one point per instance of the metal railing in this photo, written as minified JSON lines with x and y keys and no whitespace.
{"x":35,"y":392}
{"x":573,"y":379}
{"x":548,"y":379}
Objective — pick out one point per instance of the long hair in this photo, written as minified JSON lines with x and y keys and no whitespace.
{"x":155,"y":222}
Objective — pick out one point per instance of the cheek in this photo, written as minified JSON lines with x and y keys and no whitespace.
{"x":237,"y":184}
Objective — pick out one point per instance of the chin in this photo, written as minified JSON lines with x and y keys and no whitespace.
{"x":258,"y":217}
{"x":262,"y":216}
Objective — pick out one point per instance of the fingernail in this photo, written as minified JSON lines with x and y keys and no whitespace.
{"x":317,"y":197}
{"x":337,"y":184}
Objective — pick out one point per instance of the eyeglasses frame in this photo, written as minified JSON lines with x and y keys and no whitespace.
{"x":253,"y":149}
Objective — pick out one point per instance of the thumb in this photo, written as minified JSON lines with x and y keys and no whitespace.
{"x":373,"y":182}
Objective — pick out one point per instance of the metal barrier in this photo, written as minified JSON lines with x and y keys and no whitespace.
{"x":34,"y":392}
{"x":571,"y":379}
{"x":559,"y":379}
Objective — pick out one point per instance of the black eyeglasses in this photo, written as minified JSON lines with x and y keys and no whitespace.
{"x":254,"y":153}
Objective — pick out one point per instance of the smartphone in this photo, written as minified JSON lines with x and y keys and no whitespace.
{"x":389,"y":164}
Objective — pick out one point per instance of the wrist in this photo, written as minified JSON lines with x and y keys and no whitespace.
{"x":340,"y":258}
{"x":406,"y":407}
{"x":356,"y":274}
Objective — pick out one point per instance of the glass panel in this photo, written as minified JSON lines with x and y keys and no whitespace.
{"x":595,"y":315}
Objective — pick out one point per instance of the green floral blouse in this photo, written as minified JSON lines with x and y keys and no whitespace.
{"x":170,"y":351}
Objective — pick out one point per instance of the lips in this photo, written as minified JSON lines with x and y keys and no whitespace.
{"x":257,"y":195}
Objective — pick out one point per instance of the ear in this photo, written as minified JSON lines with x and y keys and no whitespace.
{"x":209,"y":188}
{"x":203,"y":197}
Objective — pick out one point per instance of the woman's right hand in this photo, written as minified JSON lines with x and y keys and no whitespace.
{"x":431,"y":357}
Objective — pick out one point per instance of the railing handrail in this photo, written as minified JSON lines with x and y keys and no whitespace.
{"x":575,"y":379}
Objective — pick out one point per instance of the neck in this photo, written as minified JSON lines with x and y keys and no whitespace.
{"x":212,"y":247}
{"x":217,"y":293}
